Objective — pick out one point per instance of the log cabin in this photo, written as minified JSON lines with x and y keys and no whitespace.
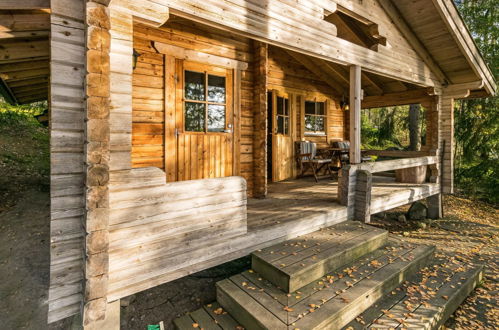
{"x":174,"y":125}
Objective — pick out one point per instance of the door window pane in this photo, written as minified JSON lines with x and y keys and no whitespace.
{"x":216,"y":118}
{"x":194,"y":85}
{"x":280,"y":105}
{"x":280,"y":124}
{"x":216,"y":89}
{"x":194,"y":117}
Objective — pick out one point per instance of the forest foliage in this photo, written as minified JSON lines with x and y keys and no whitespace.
{"x":476,"y":120}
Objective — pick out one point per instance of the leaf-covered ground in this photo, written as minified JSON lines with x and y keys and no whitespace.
{"x":466,"y":234}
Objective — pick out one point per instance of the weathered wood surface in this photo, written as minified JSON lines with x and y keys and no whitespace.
{"x":162,"y":227}
{"x":449,"y":284}
{"x":310,"y":31}
{"x":294,"y":264}
{"x":355,"y":125}
{"x":330,"y":302}
{"x":66,"y":161}
{"x":363,"y":195}
{"x":395,"y":164}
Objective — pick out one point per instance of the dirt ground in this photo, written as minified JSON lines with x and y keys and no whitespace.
{"x":468,"y":232}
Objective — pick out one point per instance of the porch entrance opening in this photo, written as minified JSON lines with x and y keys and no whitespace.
{"x":280,"y":129}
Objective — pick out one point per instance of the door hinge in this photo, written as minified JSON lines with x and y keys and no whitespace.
{"x":176,"y":132}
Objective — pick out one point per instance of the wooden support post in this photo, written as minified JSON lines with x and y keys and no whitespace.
{"x":447,"y":135}
{"x":434,"y":206}
{"x":260,"y":137}
{"x":346,"y":188}
{"x":363,"y":190}
{"x":97,"y":153}
{"x":355,"y":101}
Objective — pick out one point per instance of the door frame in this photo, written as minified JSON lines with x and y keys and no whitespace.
{"x":174,"y":110}
{"x":275,"y":92}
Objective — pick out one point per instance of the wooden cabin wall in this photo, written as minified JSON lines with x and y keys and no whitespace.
{"x":287,"y":74}
{"x":148,"y":105}
{"x":148,"y":85}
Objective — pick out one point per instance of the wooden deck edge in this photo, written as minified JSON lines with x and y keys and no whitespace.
{"x":237,"y":247}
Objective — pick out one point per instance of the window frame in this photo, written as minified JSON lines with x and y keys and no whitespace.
{"x":286,"y":101}
{"x":326,"y":106}
{"x":213,"y":71}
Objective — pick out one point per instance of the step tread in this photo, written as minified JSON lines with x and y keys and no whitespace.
{"x":426,"y":301}
{"x":293,"y":264}
{"x":322,"y":300}
{"x":211,"y":316}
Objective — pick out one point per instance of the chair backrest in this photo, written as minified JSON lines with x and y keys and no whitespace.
{"x":307,"y":147}
{"x":342,"y":145}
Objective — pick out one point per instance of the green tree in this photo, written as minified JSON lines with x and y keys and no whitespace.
{"x":477,"y":120}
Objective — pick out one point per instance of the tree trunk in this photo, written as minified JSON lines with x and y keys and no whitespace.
{"x":414,"y":128}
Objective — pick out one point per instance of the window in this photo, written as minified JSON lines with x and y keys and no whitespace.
{"x":315,"y":117}
{"x":282,"y":115}
{"x":205,"y":102}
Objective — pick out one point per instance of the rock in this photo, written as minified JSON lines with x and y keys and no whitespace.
{"x":125,"y":302}
{"x":417,"y":211}
{"x":422,"y":225}
{"x":401,"y":218}
{"x":406,"y":233}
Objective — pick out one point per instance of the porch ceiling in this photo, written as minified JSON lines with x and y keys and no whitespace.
{"x":24,"y":54}
{"x":443,"y":34}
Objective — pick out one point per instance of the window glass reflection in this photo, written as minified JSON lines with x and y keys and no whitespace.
{"x":216,"y":89}
{"x":194,"y":85}
{"x":216,"y":118}
{"x":194,"y":116}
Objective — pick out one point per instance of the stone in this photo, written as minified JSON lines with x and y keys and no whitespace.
{"x":125,"y":302}
{"x":422,"y":225}
{"x":417,"y":211}
{"x":402,"y":218}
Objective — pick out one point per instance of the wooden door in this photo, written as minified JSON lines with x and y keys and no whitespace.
{"x":204,"y":121}
{"x":282,"y":136}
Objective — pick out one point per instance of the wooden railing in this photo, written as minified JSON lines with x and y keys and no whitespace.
{"x":355,"y":182}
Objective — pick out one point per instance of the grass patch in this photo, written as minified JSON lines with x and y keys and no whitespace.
{"x":24,"y":152}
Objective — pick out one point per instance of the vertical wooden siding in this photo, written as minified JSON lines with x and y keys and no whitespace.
{"x":148,"y":115}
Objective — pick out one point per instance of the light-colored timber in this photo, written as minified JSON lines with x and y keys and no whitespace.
{"x":155,"y":106}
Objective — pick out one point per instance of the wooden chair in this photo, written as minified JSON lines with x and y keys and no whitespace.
{"x":307,"y":158}
{"x":344,"y":152}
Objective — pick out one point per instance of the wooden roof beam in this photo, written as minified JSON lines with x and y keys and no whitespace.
{"x":406,"y":31}
{"x":24,"y":4}
{"x":148,"y":12}
{"x":315,"y":69}
{"x":462,"y":36}
{"x":374,"y":84}
{"x":398,"y":98}
{"x":23,"y":34}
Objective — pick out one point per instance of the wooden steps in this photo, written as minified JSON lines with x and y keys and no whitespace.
{"x":426,"y":302}
{"x":353,"y":276}
{"x":330,"y":302}
{"x":211,"y":316}
{"x":295,"y":263}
